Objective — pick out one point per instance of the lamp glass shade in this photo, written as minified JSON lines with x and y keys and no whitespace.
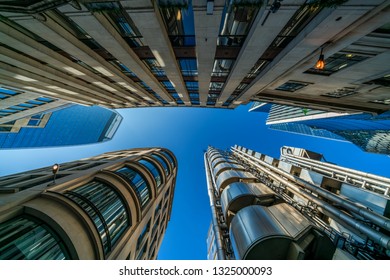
{"x":320,"y":63}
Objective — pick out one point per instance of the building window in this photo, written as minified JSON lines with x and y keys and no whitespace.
{"x":142,"y":235}
{"x":157,"y":210}
{"x":169,"y":157}
{"x":382,"y":81}
{"x":142,"y":252}
{"x":336,"y":62}
{"x":137,"y":182}
{"x":25,"y":238}
{"x":105,"y":208}
{"x":153,"y":169}
{"x":342,"y":92}
{"x":222,"y":67}
{"x":5,"y":93}
{"x":292,"y":86}
{"x":188,"y":67}
{"x":163,"y":163}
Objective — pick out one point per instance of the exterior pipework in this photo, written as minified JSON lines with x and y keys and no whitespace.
{"x":362,"y":176}
{"x":210,"y":189}
{"x":324,"y":207}
{"x":372,"y":216}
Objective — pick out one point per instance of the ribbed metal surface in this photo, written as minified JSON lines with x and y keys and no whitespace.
{"x":256,"y":234}
{"x":226,"y":166}
{"x":239,"y":195}
{"x":230,"y":176}
{"x":223,"y":160}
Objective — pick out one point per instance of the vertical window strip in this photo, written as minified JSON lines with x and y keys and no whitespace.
{"x":163,"y":163}
{"x":154,"y":170}
{"x":105,"y":208}
{"x":137,"y":182}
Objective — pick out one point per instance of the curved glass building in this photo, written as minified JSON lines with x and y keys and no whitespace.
{"x":112,"y":206}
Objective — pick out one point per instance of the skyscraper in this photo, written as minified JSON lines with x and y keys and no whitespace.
{"x":369,"y":132}
{"x":295,"y":207}
{"x":73,"y":125}
{"x":113,"y":206}
{"x":121,"y":54}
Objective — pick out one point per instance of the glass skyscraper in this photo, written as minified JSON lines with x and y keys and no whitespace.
{"x":74,"y":125}
{"x":369,"y":132}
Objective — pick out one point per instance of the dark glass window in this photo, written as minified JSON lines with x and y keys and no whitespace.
{"x":35,"y":102}
{"x":137,"y":182}
{"x":292,"y":86}
{"x":153,"y":169}
{"x":189,"y":67}
{"x":222,"y":67}
{"x":8,"y":92}
{"x":163,"y":163}
{"x":192,"y":86}
{"x":142,"y":251}
{"x":25,"y":238}
{"x":142,"y":235}
{"x":45,"y":99}
{"x":105,"y":208}
{"x":33,"y":122}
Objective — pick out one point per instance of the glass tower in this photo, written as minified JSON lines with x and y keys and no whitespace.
{"x":74,"y":125}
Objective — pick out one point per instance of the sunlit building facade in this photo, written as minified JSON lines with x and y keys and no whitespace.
{"x":294,"y":207}
{"x":113,"y":206}
{"x":121,"y":54}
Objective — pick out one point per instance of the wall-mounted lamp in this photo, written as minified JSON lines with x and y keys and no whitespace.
{"x":320,"y":65}
{"x":55,"y":168}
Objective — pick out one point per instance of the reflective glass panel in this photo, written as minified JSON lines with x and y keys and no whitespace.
{"x":24,"y":238}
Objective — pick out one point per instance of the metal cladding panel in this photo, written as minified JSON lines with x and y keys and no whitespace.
{"x":268,"y":159}
{"x":256,"y":234}
{"x":374,"y":201}
{"x":215,"y":156}
{"x":292,"y":221}
{"x":230,"y":176}
{"x":220,"y":160}
{"x":311,"y":177}
{"x":223,"y":166}
{"x":239,"y":195}
{"x":285,"y":166}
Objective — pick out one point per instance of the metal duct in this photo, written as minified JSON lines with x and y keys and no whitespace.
{"x":324,"y":207}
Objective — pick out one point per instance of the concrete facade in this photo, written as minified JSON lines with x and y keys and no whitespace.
{"x":123,"y":54}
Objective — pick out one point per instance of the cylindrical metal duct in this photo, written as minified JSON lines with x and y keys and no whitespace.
{"x":327,"y":209}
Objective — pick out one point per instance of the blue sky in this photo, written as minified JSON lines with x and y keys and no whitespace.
{"x":187,"y":132}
